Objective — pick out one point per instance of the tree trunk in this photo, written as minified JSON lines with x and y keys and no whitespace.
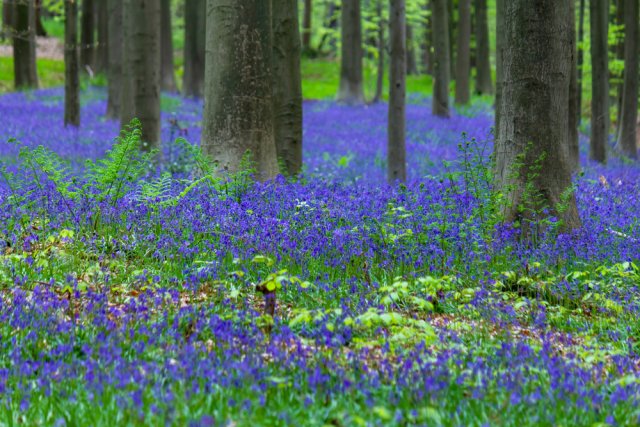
{"x":600,"y":80}
{"x":238,"y":108}
{"x":500,"y":29}
{"x":87,"y":36}
{"x":24,"y":45}
{"x":532,"y":168}
{"x":287,"y":85}
{"x":194,"y":40}
{"x":380,"y":74}
{"x":102,"y":48}
{"x":629,"y":114}
{"x":574,"y":135}
{"x":127,"y":81}
{"x":143,"y":59}
{"x":168,"y":77}
{"x":463,"y":67}
{"x":71,"y":71}
{"x":115,"y":57}
{"x":397,"y":156}
{"x":427,"y":49}
{"x":40,"y":30}
{"x":8,"y":11}
{"x":412,"y":66}
{"x":333,"y":10}
{"x":580,"y":57}
{"x":351,"y":91}
{"x":484,"y":85}
{"x":451,"y":13}
{"x":618,"y":53}
{"x":441,"y":70}
{"x":306,"y":24}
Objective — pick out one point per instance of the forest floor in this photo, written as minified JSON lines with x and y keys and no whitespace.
{"x":146,"y":292}
{"x":46,"y":48}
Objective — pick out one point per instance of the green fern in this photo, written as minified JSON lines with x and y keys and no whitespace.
{"x":157,"y":189}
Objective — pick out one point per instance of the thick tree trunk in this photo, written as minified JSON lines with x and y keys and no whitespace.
{"x":600,"y":80}
{"x":397,"y":156}
{"x":381,"y":53}
{"x":463,"y":65}
{"x":167,"y":71}
{"x":144,"y":62}
{"x":574,"y":136}
{"x":24,"y":45}
{"x":87,"y":35}
{"x":441,"y":70}
{"x":580,"y":56}
{"x":115,"y":57}
{"x":484,"y":85}
{"x":238,"y":108}
{"x":102,"y":48}
{"x":71,"y":66}
{"x":412,"y":65}
{"x":287,"y":85}
{"x":194,"y":40}
{"x":306,"y":24}
{"x":532,"y":168}
{"x":629,"y":114}
{"x":351,"y":91}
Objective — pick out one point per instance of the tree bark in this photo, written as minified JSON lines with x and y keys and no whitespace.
{"x":574,"y":136}
{"x":238,"y":108}
{"x":629,"y":114}
{"x":484,"y":85}
{"x":115,"y":57}
{"x":427,"y":49}
{"x":8,"y":12}
{"x":463,"y":66}
{"x":287,"y":85}
{"x":143,"y":56}
{"x":306,"y":25}
{"x":40,"y":30}
{"x":500,"y":30}
{"x":87,"y":36}
{"x":600,"y":80}
{"x":451,"y":14}
{"x":396,"y":149}
{"x":441,"y":70}
{"x":194,"y":41}
{"x":380,"y":73}
{"x":351,"y":91}
{"x":167,"y":71}
{"x":24,"y":45}
{"x":580,"y":56}
{"x":102,"y":47}
{"x":71,"y":66}
{"x":410,"y":52}
{"x":532,"y":168}
{"x":127,"y":81}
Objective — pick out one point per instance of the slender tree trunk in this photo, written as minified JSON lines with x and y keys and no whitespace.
{"x":127,"y":76}
{"x":573,"y":147}
{"x":287,"y":85}
{"x":532,"y":168}
{"x":580,"y":56}
{"x":453,"y":27}
{"x":427,"y":50}
{"x":412,"y":66}
{"x":40,"y":30}
{"x":8,"y":12}
{"x":167,"y":71}
{"x":194,"y":41}
{"x":87,"y":36}
{"x":144,"y":61}
{"x":484,"y":85}
{"x":463,"y":66}
{"x":380,"y":74}
{"x":629,"y":114}
{"x":24,"y":45}
{"x":351,"y":91}
{"x":500,"y":30}
{"x":102,"y":48}
{"x":71,"y":68}
{"x":115,"y":57}
{"x":441,"y":70}
{"x":600,"y":80}
{"x":238,"y":108}
{"x":397,"y":155}
{"x":306,"y":25}
{"x":618,"y":51}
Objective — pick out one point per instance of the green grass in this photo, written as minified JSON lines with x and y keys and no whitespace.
{"x":50,"y":73}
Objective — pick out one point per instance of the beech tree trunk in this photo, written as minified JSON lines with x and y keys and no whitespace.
{"x":396,"y":149}
{"x":115,"y":57}
{"x":351,"y":91}
{"x":102,"y":48}
{"x":143,"y":60}
{"x":238,"y":108}
{"x":287,"y":85}
{"x":580,"y":56}
{"x":381,"y":54}
{"x":629,"y":114}
{"x":442,"y":61}
{"x":532,"y":166}
{"x":410,"y":52}
{"x":40,"y":30}
{"x":24,"y":45}
{"x":306,"y":24}
{"x":574,"y":135}
{"x":463,"y":60}
{"x":87,"y":36}
{"x":600,"y":80}
{"x":71,"y":66}
{"x":427,"y":49}
{"x":8,"y":11}
{"x":194,"y":41}
{"x":167,"y":71}
{"x":484,"y":85}
{"x":500,"y":30}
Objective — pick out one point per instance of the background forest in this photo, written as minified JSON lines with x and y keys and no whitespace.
{"x":319,"y":212}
